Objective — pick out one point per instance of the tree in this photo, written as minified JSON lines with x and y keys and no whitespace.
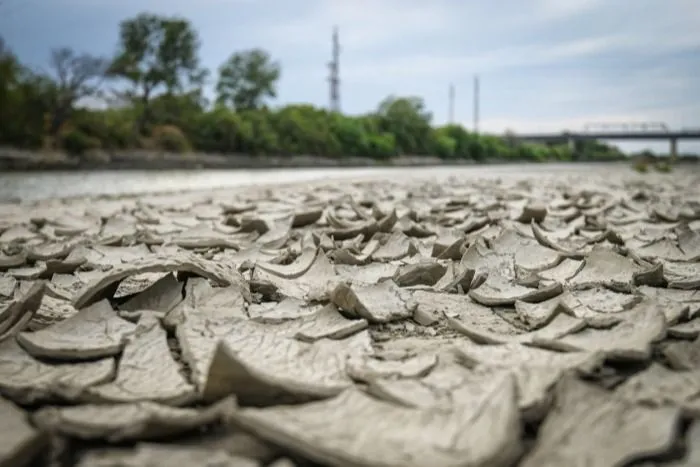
{"x":409,"y":121}
{"x":156,"y":53}
{"x":246,"y":79}
{"x":75,"y":77}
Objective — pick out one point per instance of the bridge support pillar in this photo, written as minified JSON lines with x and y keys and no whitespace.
{"x":674,"y":150}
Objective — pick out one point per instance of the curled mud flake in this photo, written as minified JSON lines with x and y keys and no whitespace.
{"x":313,"y":285}
{"x":379,"y":303}
{"x":397,"y":246}
{"x":203,"y":236}
{"x":686,"y":330}
{"x":483,"y":332}
{"x":104,"y":257}
{"x":135,"y":421}
{"x":278,"y":232}
{"x":21,"y":442}
{"x":147,"y":371}
{"x":654,"y":276}
{"x":148,"y":455}
{"x":262,"y":368}
{"x":660,"y":249}
{"x":278,"y":312}
{"x":568,"y":246}
{"x":50,"y":250}
{"x":291,"y":271}
{"x":369,"y":368}
{"x":162,"y":296}
{"x":423,"y":272}
{"x":589,"y":426}
{"x":605,"y":267}
{"x":367,"y":275}
{"x":118,"y":228}
{"x":684,"y":276}
{"x":602,"y":300}
{"x":218,"y":273}
{"x":307,"y":215}
{"x":536,"y":315}
{"x":455,"y":279}
{"x":531,"y":212}
{"x":18,"y":234}
{"x":326,"y":323}
{"x":26,"y":380}
{"x":198,"y":337}
{"x":93,"y":332}
{"x":413,"y":229}
{"x":395,"y":435}
{"x":8,"y":284}
{"x":657,"y":386}
{"x":64,"y":286}
{"x":682,"y":355}
{"x":630,"y":339}
{"x":536,"y":370}
{"x":689,"y":242}
{"x":16,"y":314}
{"x":562,"y":272}
{"x":136,"y":284}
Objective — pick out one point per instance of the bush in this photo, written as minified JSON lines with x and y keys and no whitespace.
{"x":76,"y":142}
{"x":170,"y":138}
{"x":641,"y":166}
{"x":663,"y":167}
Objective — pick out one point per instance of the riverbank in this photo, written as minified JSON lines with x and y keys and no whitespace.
{"x":21,"y":160}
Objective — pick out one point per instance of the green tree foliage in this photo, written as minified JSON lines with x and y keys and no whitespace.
{"x":246,"y":79}
{"x":158,"y":102}
{"x":156,"y":53}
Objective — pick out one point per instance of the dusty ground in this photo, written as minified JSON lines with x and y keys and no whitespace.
{"x":545,"y":322}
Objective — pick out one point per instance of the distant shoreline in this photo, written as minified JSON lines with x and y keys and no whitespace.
{"x":14,"y":160}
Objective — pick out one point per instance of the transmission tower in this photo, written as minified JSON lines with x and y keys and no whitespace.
{"x":451,"y":105}
{"x":334,"y":78}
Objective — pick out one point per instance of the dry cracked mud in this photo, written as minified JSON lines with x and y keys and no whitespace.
{"x":511,"y":322}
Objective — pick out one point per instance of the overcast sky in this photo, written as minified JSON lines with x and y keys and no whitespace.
{"x":544,"y":65}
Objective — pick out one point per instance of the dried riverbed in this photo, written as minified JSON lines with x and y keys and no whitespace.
{"x":551,"y":321}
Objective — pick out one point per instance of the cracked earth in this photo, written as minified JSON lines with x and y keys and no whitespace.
{"x":535,"y":322}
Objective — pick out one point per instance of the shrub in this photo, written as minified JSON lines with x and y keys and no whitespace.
{"x":76,"y":142}
{"x":663,"y":167}
{"x":170,"y":138}
{"x":641,"y":166}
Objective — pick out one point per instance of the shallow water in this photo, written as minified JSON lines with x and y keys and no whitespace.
{"x":46,"y":185}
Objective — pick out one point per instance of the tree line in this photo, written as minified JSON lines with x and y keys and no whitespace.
{"x":153,"y":90}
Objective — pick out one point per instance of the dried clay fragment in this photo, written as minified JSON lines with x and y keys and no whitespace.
{"x":126,"y":422}
{"x":354,"y":428}
{"x":21,"y":443}
{"x":217,"y":272}
{"x":378,"y":303}
{"x":589,"y":426}
{"x":26,"y":380}
{"x":94,"y":332}
{"x":261,"y":368}
{"x":147,"y":371}
{"x":151,"y":455}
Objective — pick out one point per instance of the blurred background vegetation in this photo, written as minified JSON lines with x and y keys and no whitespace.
{"x":150,"y":96}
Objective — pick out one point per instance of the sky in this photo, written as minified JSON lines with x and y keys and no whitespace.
{"x":543,"y":65}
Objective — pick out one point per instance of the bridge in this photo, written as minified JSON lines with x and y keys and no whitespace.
{"x":644,"y":131}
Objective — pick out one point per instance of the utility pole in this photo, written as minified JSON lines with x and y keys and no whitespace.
{"x":451,"y":105}
{"x":334,"y":78}
{"x":476,"y":104}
